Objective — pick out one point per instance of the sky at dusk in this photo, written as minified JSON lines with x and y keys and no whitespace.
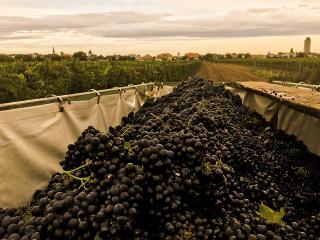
{"x":154,"y":26}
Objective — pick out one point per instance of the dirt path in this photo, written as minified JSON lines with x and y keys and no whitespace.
{"x":220,"y":72}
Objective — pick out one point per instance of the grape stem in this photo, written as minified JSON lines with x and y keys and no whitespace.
{"x":83,"y":180}
{"x":129,"y":127}
{"x":76,"y":169}
{"x":201,"y":105}
{"x":220,"y":164}
{"x":160,"y":119}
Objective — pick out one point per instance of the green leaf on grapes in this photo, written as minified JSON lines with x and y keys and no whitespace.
{"x":27,"y":217}
{"x":254,"y":120}
{"x":127,"y":145}
{"x":270,"y":215}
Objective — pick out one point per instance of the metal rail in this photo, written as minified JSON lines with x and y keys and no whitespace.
{"x":300,"y":84}
{"x":75,"y":97}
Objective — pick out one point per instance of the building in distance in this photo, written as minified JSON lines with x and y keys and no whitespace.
{"x":164,"y":57}
{"x":307,"y":46}
{"x":146,"y":57}
{"x":192,"y":56}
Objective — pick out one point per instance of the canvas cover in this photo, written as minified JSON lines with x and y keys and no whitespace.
{"x":33,"y":140}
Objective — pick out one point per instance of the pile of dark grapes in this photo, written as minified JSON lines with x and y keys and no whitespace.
{"x":195,"y":164}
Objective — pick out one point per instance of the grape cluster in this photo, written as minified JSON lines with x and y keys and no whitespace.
{"x":195,"y":164}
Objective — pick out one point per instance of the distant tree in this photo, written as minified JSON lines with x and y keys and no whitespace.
{"x":24,"y":57}
{"x":240,"y":55}
{"x":39,"y":58}
{"x":54,"y":57}
{"x":247,"y":55}
{"x":228,"y":56}
{"x":126,"y":58}
{"x":5,"y":58}
{"x":209,"y":57}
{"x":300,"y":54}
{"x":184,"y":58}
{"x":101,"y":57}
{"x":82,"y":56}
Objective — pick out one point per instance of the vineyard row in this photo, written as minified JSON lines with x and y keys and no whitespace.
{"x":28,"y":80}
{"x":295,"y":70}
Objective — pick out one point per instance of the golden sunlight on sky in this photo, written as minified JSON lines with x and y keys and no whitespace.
{"x":153,"y":26}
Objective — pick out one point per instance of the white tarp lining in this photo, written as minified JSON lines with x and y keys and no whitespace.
{"x":33,"y":140}
{"x":304,"y":126}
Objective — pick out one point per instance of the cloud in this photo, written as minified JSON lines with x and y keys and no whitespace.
{"x":76,"y":21}
{"x":139,"y":25}
{"x":262,"y":10}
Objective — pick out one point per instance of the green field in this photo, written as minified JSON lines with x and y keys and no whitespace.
{"x":295,"y":70}
{"x":28,"y":80}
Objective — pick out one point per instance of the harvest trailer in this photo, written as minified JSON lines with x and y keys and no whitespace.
{"x":193,"y":162}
